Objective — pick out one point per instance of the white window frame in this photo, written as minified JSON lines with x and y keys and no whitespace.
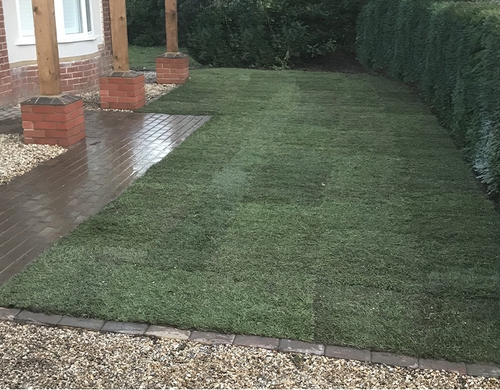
{"x":87,"y":33}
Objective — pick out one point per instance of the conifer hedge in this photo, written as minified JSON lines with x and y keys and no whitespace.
{"x":450,"y":51}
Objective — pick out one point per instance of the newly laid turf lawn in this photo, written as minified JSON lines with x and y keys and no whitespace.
{"x":313,"y":206}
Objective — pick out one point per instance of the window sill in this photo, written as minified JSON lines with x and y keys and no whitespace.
{"x":30,"y":41}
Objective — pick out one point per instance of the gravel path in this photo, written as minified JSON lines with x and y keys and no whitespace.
{"x":16,"y":158}
{"x":44,"y":357}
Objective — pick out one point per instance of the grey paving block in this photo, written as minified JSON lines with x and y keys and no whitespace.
{"x":256,"y":342}
{"x":428,"y":364}
{"x":85,"y":323}
{"x":392,"y":359}
{"x":211,"y":337}
{"x":131,"y":328}
{"x":167,"y":333}
{"x":483,"y":370}
{"x":301,"y":347}
{"x":38,"y":318}
{"x":348,"y":353}
{"x":8,"y":314}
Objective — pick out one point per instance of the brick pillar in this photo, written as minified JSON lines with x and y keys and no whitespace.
{"x":5,"y":77}
{"x":172,"y":68}
{"x":123,"y":91}
{"x":56,"y":120}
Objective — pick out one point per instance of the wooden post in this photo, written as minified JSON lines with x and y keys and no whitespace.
{"x":47,"y":52}
{"x":119,"y":40}
{"x":171,"y":26}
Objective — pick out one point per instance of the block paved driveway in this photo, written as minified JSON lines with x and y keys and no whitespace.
{"x":40,"y":207}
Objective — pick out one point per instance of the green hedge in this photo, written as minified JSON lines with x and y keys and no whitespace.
{"x":451,"y":52}
{"x":250,"y":33}
{"x":268,"y":33}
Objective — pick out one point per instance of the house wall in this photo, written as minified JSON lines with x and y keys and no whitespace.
{"x":81,"y":62}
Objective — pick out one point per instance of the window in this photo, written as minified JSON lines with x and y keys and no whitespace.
{"x":26,"y":18}
{"x":73,"y":17}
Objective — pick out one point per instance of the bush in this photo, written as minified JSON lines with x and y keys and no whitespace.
{"x":450,"y":52}
{"x":146,"y":22}
{"x":249,"y":33}
{"x":258,"y":33}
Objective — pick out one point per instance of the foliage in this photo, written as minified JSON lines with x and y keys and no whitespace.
{"x":255,"y":33}
{"x":250,"y":33}
{"x":146,"y":22}
{"x":450,"y":52}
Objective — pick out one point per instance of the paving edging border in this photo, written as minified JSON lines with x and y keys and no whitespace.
{"x":281,"y":345}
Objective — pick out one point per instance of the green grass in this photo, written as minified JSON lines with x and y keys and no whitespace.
{"x":144,"y":58}
{"x":313,"y":206}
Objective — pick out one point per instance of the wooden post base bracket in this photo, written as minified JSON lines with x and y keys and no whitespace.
{"x":123,"y":91}
{"x":172,"y":68}
{"x":53,"y":120}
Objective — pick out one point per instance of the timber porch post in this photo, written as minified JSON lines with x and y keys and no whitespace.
{"x":123,"y":88}
{"x":172,"y":67}
{"x":50,"y":118}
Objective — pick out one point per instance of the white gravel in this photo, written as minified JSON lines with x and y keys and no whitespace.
{"x":17,"y":158}
{"x":44,"y":357}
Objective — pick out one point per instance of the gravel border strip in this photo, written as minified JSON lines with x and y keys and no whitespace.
{"x":282,"y":345}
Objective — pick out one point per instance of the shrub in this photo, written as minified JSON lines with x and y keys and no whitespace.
{"x":146,"y":22}
{"x":450,"y":52}
{"x":249,"y":33}
{"x":260,"y":33}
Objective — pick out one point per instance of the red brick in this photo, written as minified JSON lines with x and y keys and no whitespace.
{"x":74,"y":114}
{"x":118,"y":93}
{"x":56,"y":134}
{"x":28,"y":140}
{"x":130,"y":87}
{"x":75,"y":130}
{"x":33,"y":117}
{"x":70,"y":107}
{"x":134,"y":80}
{"x":117,"y":80}
{"x":45,"y":125}
{"x":107,"y":86}
{"x":136,"y":93}
{"x":46,"y":141}
{"x":28,"y":125}
{"x":34,"y":133}
{"x":76,"y":138}
{"x":69,"y":124}
{"x":56,"y":117}
{"x":44,"y":109}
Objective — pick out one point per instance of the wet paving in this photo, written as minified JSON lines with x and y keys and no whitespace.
{"x":43,"y":205}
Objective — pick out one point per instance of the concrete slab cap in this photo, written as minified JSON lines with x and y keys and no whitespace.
{"x":38,"y":318}
{"x":167,"y":333}
{"x":211,"y":337}
{"x":131,"y":328}
{"x":301,"y":347}
{"x":256,"y":342}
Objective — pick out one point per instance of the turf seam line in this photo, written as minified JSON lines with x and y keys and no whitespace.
{"x":276,"y":344}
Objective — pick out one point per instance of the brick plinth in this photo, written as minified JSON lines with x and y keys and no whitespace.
{"x":123,"y":91}
{"x":172,"y":68}
{"x":53,"y":120}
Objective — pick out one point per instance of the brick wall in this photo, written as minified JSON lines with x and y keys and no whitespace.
{"x":19,"y":83}
{"x":5,"y":80}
